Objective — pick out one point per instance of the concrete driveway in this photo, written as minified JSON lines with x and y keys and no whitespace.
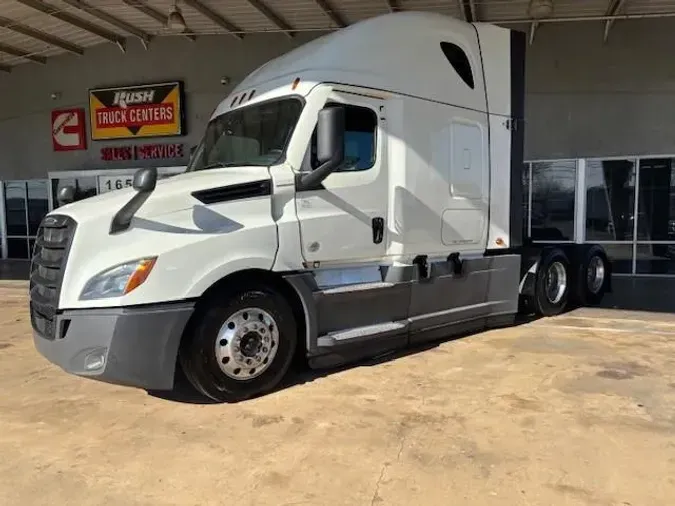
{"x":575,"y":410}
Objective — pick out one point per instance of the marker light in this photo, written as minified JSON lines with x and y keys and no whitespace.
{"x":141,"y":273}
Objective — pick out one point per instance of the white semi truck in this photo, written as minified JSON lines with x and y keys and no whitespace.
{"x":355,"y":196}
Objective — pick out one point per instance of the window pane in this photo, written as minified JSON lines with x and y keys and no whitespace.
{"x":360,"y":127}
{"x":253,"y":135}
{"x":553,"y":200}
{"x":38,"y":204}
{"x":656,"y":205}
{"x":526,"y":198}
{"x":17,"y":248}
{"x":15,"y":208}
{"x":610,"y":198}
{"x":360,"y":139}
{"x":621,"y":256}
{"x":655,"y":259}
{"x":459,"y":61}
{"x":84,"y":187}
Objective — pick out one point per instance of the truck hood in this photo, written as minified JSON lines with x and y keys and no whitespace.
{"x":170,"y":195}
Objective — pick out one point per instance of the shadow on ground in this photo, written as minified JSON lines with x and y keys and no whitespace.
{"x":183,"y":392}
{"x":301,"y":374}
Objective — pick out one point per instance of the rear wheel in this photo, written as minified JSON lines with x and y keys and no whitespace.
{"x":240,"y":345}
{"x":551,"y":291}
{"x":593,"y":276}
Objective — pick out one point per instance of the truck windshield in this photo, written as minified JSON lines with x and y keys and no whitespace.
{"x":254,"y":135}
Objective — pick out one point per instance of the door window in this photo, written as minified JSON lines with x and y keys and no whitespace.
{"x":360,"y":139}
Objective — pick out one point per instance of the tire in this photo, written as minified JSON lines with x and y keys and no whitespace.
{"x":592,"y":276}
{"x":239,"y":345}
{"x":552,"y":285}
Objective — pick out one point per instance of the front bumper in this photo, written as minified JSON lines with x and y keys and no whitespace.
{"x":132,"y":346}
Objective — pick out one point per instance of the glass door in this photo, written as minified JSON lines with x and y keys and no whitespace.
{"x":655,"y":249}
{"x":26,"y":202}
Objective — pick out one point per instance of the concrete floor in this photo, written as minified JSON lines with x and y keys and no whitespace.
{"x":577,"y":410}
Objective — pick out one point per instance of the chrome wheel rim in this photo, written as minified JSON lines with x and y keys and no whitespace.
{"x":247,"y":344}
{"x":556,"y":282}
{"x":595,"y":275}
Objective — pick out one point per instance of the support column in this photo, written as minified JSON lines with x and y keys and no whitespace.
{"x":580,"y":203}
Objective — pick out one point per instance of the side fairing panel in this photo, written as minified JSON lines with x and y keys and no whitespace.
{"x":503,"y":55}
{"x":439,"y":179}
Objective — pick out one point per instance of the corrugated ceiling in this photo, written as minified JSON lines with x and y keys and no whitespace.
{"x":31,"y":30}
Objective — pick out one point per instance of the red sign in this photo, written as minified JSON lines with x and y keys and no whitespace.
{"x":135,"y":116}
{"x":147,"y":110}
{"x":69,"y":130}
{"x":142,"y":152}
{"x":159,"y":151}
{"x":117,"y":154}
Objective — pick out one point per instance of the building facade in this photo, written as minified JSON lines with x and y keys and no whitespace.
{"x":600,"y":130}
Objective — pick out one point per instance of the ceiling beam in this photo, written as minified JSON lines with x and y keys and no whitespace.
{"x":143,"y":7}
{"x":612,"y":9}
{"x":263,"y":9}
{"x":571,"y":19}
{"x":392,"y":5}
{"x":112,"y":20}
{"x":20,"y":53}
{"x":8,"y":24}
{"x":330,"y":12}
{"x":468,"y":10}
{"x":75,"y":21}
{"x":207,"y":12}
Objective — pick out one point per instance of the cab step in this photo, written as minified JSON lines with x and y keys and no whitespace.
{"x":359,"y":334}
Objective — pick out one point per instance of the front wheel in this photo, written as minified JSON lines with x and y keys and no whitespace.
{"x":240,"y":345}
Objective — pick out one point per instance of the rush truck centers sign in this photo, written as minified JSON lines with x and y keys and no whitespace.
{"x":132,"y":112}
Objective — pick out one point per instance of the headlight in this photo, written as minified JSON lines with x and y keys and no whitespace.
{"x":118,"y":280}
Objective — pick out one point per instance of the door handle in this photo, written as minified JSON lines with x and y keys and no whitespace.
{"x":378,"y":230}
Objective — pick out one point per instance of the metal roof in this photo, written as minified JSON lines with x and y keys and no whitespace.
{"x":34,"y":30}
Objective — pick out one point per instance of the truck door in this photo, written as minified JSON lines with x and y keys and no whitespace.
{"x":344,"y":222}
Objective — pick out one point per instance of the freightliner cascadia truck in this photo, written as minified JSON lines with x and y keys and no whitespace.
{"x":355,"y":196}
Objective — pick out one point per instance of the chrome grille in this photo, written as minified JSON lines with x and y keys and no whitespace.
{"x":46,"y":272}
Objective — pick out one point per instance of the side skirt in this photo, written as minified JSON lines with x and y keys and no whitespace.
{"x":395,"y":307}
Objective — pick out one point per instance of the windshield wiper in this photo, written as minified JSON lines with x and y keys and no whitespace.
{"x":222,"y":165}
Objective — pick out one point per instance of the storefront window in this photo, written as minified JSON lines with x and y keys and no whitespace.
{"x":526,"y":199}
{"x":656,"y":217}
{"x":610,"y":200}
{"x":553,"y":200}
{"x":84,"y":187}
{"x":26,"y":203}
{"x":15,"y":208}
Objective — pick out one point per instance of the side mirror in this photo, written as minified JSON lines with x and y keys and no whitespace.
{"x":66,"y":195}
{"x":330,"y":147}
{"x":330,"y":135}
{"x":145,"y":180}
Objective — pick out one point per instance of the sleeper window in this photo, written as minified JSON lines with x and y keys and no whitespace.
{"x":360,"y":139}
{"x":459,"y":61}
